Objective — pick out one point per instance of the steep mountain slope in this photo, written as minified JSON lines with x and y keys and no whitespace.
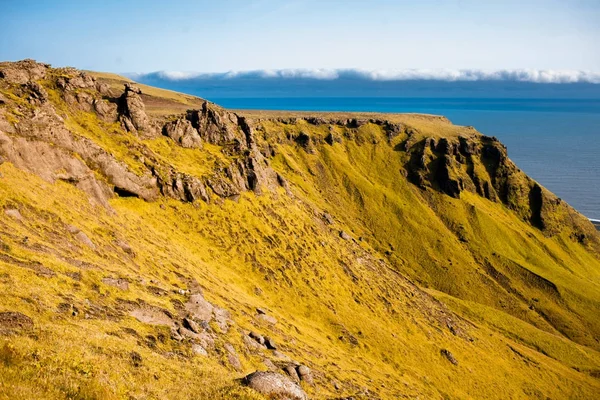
{"x":154,"y":245}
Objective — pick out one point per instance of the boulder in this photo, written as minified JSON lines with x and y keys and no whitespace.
{"x":270,"y":343}
{"x":305,"y":374}
{"x":199,"y":308}
{"x":119,"y":283}
{"x":258,"y":337}
{"x":191,"y":325}
{"x":449,"y":356}
{"x":182,"y":132}
{"x":290,"y":369}
{"x":14,"y":213}
{"x":83,"y":238}
{"x":345,"y":236}
{"x":199,"y":350}
{"x":267,"y":318}
{"x":274,"y":384}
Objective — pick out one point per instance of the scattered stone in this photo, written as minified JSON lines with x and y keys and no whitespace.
{"x":83,"y":238}
{"x":250,"y":342}
{"x":14,"y":213}
{"x":449,"y":356}
{"x":119,"y":283}
{"x":125,"y":247}
{"x":267,"y":318}
{"x":73,"y":229}
{"x":270,"y":343}
{"x":292,"y":373}
{"x":258,"y":337}
{"x":274,"y":384}
{"x":328,"y":218}
{"x":234,"y":361}
{"x":269,"y":364}
{"x":199,"y":308}
{"x":344,"y":235}
{"x":135,"y":358}
{"x":191,"y":325}
{"x":305,"y":374}
{"x":222,"y":318}
{"x":281,"y":356}
{"x":14,"y":322}
{"x":152,"y":315}
{"x":199,"y":350}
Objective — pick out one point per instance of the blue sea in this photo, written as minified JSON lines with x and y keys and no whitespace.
{"x":552,"y":131}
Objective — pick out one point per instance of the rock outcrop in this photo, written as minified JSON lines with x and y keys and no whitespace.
{"x":132,"y":112}
{"x":275,"y":385}
{"x":480,"y":164}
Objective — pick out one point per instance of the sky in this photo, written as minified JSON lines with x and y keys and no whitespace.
{"x":228,"y":35}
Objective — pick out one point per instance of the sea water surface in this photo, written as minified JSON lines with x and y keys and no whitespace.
{"x":552,"y":131}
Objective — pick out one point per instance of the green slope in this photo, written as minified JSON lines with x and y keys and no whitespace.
{"x":501,"y":275}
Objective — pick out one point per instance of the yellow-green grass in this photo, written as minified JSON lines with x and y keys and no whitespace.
{"x":261,"y":242}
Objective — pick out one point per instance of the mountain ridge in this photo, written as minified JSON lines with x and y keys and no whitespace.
{"x":339,"y":228}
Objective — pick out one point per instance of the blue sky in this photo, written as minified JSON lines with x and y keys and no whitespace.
{"x":212,"y":36}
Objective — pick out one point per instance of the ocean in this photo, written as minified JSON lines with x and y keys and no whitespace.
{"x":552,"y":131}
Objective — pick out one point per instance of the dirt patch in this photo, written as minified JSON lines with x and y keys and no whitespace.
{"x":14,"y":322}
{"x":152,"y":315}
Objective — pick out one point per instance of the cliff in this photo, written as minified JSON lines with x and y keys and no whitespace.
{"x":156,"y":245}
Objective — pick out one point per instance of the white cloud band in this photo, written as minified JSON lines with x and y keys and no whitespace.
{"x":515,"y":75}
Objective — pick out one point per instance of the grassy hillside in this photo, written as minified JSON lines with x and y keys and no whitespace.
{"x":316,"y":233}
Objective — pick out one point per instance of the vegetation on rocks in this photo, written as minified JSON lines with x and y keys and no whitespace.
{"x":153,"y":245}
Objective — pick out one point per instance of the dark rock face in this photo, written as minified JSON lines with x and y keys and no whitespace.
{"x":274,"y":384}
{"x":480,"y":164}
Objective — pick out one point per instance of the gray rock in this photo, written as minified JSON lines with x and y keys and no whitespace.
{"x":83,"y":238}
{"x":199,"y":308}
{"x":234,"y":361}
{"x":449,"y":356}
{"x":199,"y":350}
{"x":274,"y":384}
{"x":258,"y":337}
{"x":345,"y":236}
{"x":305,"y":374}
{"x":116,"y":282}
{"x":292,"y":373}
{"x":14,"y":213}
{"x":270,"y":343}
{"x":191,"y":325}
{"x":132,"y":111}
{"x":182,"y":132}
{"x":267,"y":318}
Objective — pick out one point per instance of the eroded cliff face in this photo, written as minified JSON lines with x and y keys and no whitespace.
{"x":42,"y":135}
{"x":480,"y":164}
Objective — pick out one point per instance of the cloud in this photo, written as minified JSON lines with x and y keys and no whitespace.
{"x":515,"y":75}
